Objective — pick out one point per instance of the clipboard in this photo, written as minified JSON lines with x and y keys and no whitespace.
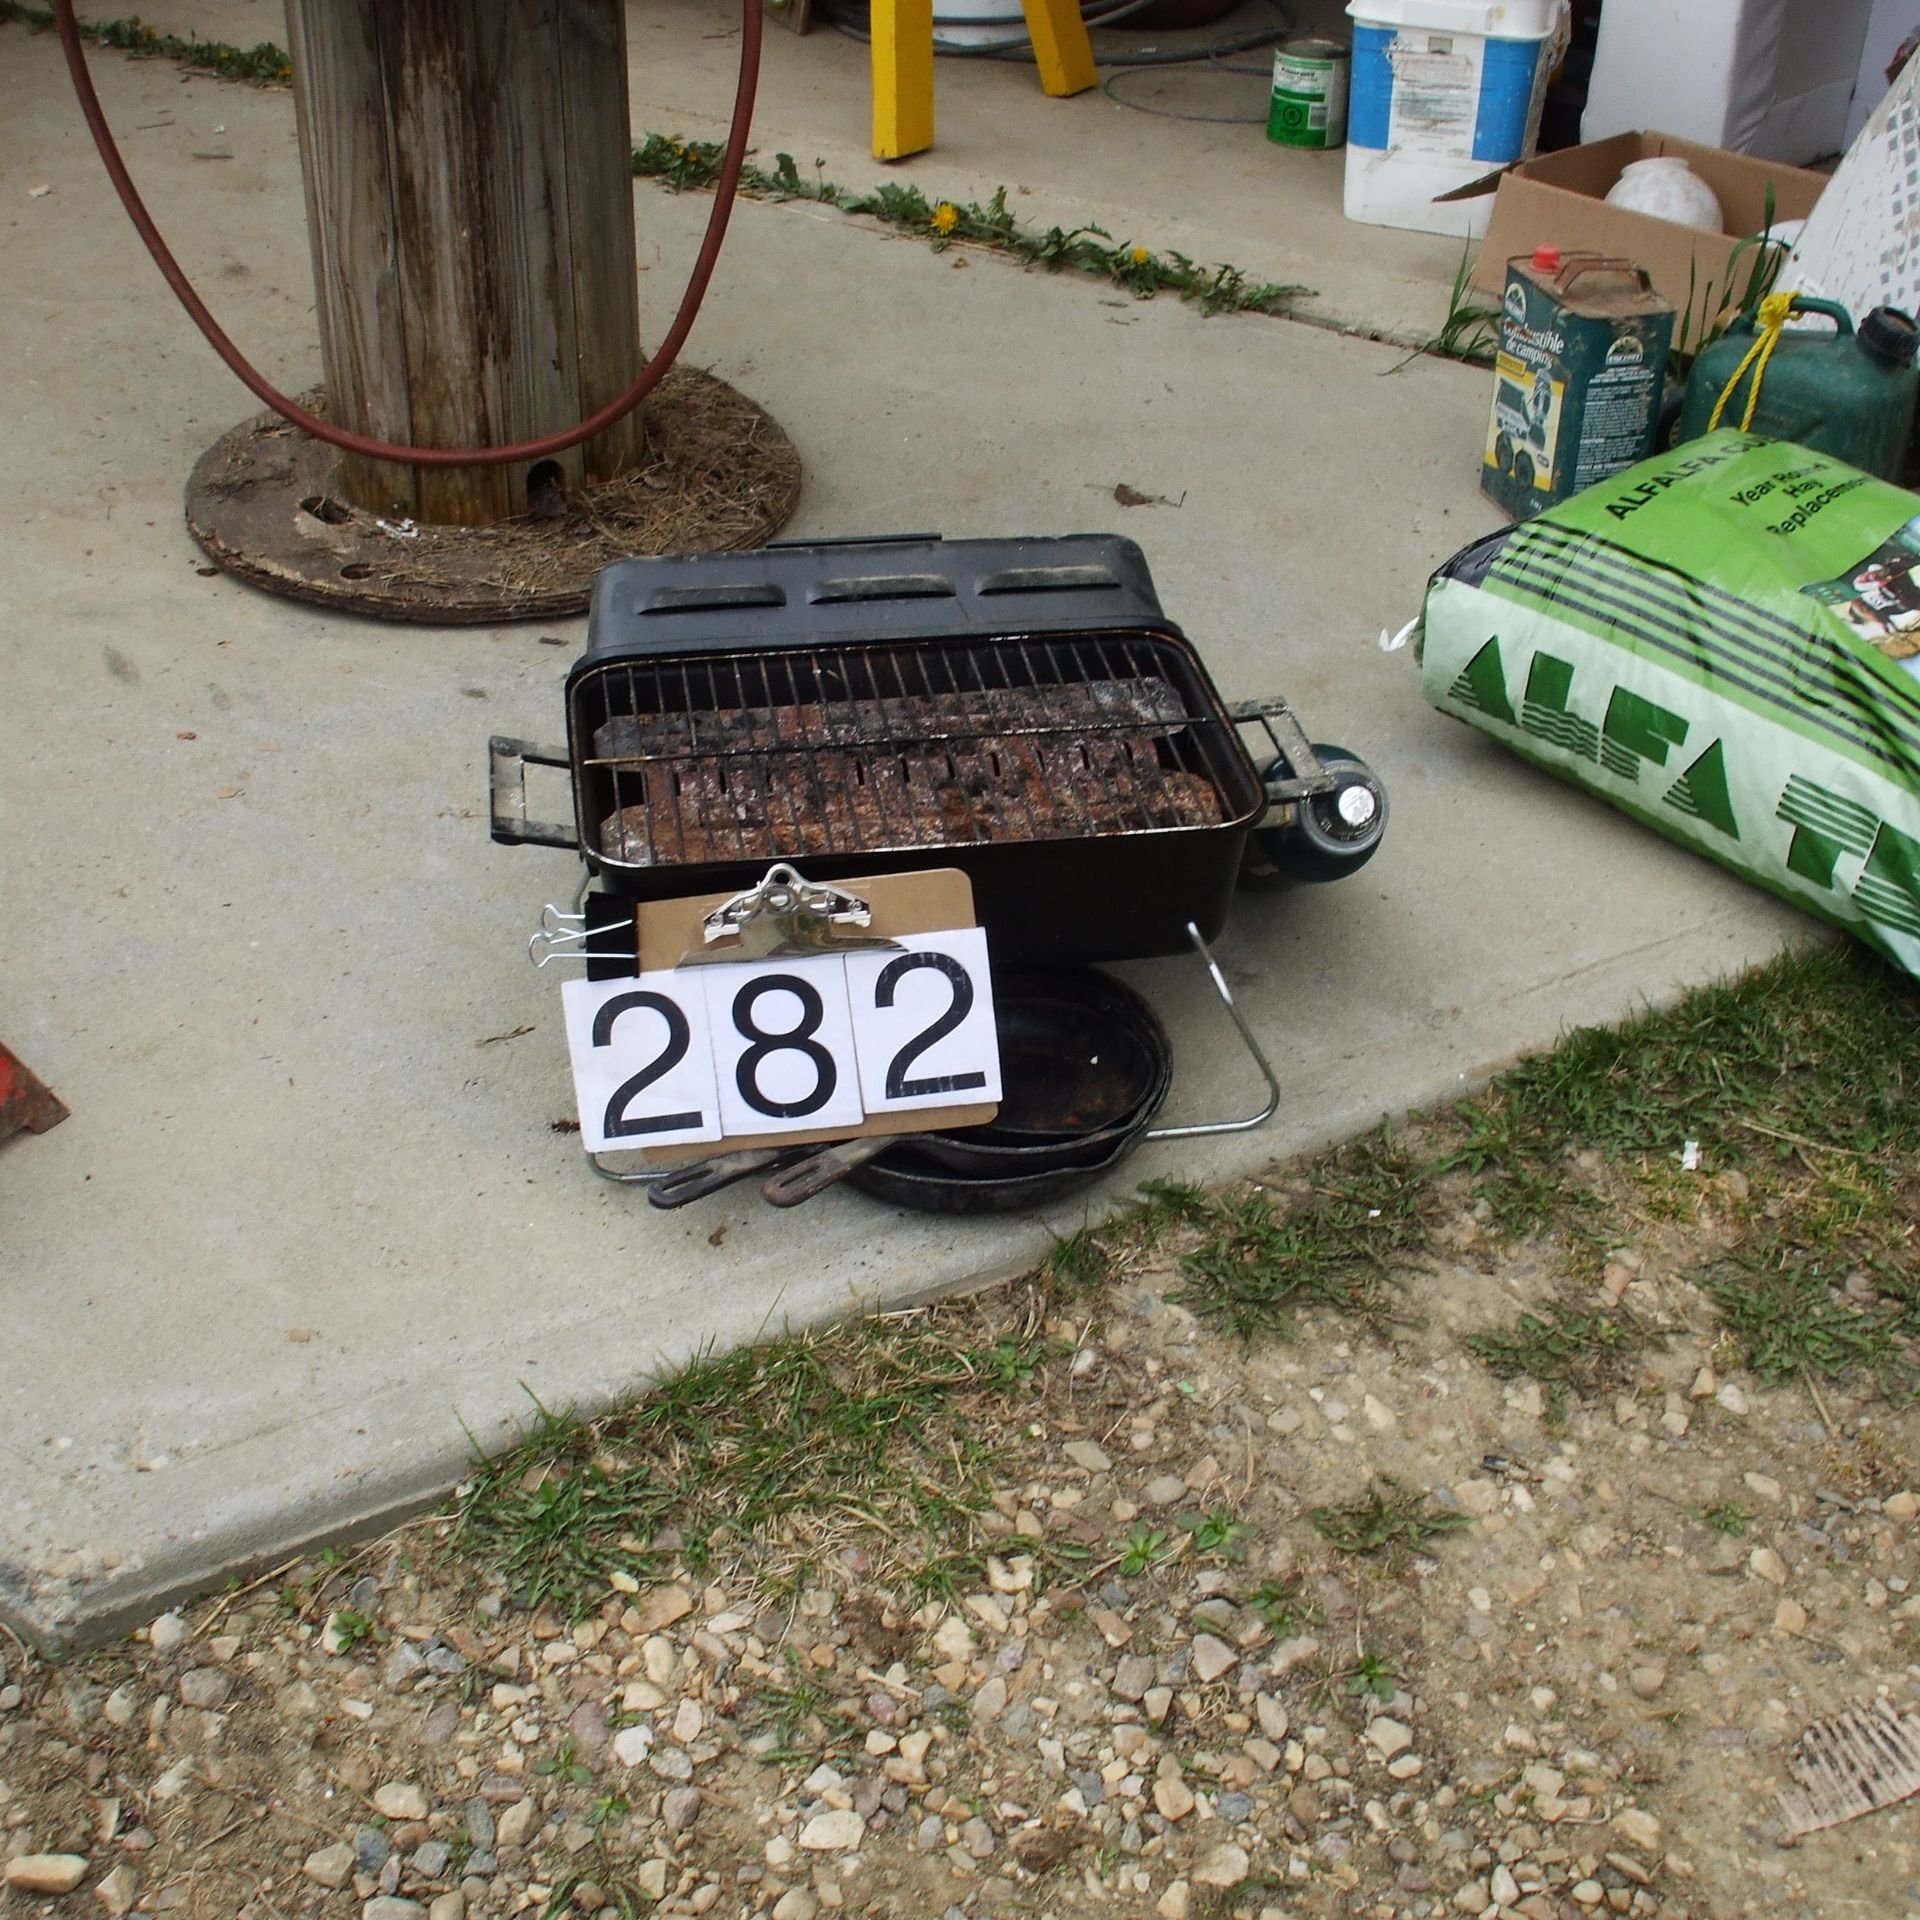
{"x":671,"y":934}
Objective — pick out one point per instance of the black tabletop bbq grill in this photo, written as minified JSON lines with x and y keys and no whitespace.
{"x":1022,"y":709}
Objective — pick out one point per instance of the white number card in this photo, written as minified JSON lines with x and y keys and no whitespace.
{"x":925,"y":1023}
{"x":822,"y":1043}
{"x":784,"y":1052}
{"x":642,"y":1062}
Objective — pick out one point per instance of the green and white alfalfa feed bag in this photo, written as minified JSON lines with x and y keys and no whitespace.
{"x":1724,"y":642}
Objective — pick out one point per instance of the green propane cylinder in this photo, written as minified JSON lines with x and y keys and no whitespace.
{"x":1844,"y":393}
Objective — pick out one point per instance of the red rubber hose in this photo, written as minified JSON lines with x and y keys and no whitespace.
{"x":650,"y":376}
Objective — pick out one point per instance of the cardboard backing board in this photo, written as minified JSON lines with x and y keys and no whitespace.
{"x":666,"y":931}
{"x":1559,"y":200}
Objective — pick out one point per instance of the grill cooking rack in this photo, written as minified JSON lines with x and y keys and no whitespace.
{"x":879,"y":749}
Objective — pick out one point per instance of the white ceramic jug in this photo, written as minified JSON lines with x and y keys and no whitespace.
{"x":1666,"y":188}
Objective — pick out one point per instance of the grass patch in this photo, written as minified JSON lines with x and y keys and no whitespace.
{"x":883,"y":1433}
{"x":1389,"y":1516}
{"x":1787,"y":1308}
{"x":787,"y":1451}
{"x":1365,"y":1214}
{"x":777,"y":1457}
{"x":263,"y":65}
{"x":1800,"y":1064}
{"x":1815,"y":1047}
{"x":1140,"y":271}
{"x":1796,"y":1075}
{"x":1567,"y":1348}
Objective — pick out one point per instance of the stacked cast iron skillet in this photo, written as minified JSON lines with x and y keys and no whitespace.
{"x":1084,"y":1067}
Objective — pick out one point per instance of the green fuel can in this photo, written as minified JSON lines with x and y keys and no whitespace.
{"x":1845,"y":393}
{"x":1578,"y":378}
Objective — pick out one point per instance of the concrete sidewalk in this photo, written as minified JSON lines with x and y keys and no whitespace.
{"x":1185,"y":165}
{"x":309,"y":1224}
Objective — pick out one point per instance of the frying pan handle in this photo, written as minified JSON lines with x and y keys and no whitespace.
{"x":507,"y":764}
{"x":698,"y":1178}
{"x":818,"y":1171}
{"x":859,"y":540}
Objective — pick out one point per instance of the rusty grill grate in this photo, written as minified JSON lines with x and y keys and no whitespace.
{"x":763,"y":754}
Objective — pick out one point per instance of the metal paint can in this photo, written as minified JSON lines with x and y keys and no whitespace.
{"x":1310,"y":94}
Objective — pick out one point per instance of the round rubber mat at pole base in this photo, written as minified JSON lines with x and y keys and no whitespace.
{"x":719,"y":474}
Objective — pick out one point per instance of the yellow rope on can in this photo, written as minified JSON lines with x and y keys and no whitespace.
{"x":1774,"y":311}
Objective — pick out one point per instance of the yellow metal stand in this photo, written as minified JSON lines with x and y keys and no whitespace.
{"x":902,"y":78}
{"x":1061,"y":48}
{"x":903,"y":66}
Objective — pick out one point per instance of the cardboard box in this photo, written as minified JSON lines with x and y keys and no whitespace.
{"x":1559,"y":200}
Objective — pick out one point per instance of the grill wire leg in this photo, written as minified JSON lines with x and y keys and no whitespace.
{"x":1198,"y":1129}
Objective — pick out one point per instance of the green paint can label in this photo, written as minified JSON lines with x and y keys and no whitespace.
{"x":1309,"y":94}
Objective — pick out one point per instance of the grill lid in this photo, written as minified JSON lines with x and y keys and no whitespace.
{"x":917,"y":587}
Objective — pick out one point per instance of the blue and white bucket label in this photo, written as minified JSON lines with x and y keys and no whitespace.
{"x":1444,"y":96}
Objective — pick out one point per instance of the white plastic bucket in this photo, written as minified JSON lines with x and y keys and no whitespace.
{"x":978,"y":23}
{"x":1443,"y":92}
{"x":992,"y":23}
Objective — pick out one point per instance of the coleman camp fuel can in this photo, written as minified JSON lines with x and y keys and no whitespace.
{"x":1578,"y":378}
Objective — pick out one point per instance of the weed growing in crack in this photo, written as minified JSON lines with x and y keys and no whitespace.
{"x":1285,"y":1609}
{"x":1215,"y":1532}
{"x":686,"y":164}
{"x":1143,"y":1549}
{"x":262,"y":65}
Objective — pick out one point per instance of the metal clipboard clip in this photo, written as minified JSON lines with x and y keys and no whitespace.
{"x":785,"y":917}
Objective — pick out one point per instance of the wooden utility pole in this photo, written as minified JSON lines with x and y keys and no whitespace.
{"x":469,"y":186}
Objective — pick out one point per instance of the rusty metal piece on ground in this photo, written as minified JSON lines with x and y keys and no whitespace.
{"x":25,"y":1100}
{"x":1852,"y":1763}
{"x":719,"y":474}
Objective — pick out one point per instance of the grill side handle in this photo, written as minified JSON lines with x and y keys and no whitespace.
{"x":507,"y":764}
{"x":1285,"y":740}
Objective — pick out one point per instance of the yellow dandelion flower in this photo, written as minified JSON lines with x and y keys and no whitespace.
{"x":1141,"y":256}
{"x":946,"y":216}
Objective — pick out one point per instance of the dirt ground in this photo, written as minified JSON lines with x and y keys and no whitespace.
{"x":1569,"y":1685}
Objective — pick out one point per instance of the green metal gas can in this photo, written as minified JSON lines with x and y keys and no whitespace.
{"x":1577,"y":381}
{"x":1844,"y":393}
